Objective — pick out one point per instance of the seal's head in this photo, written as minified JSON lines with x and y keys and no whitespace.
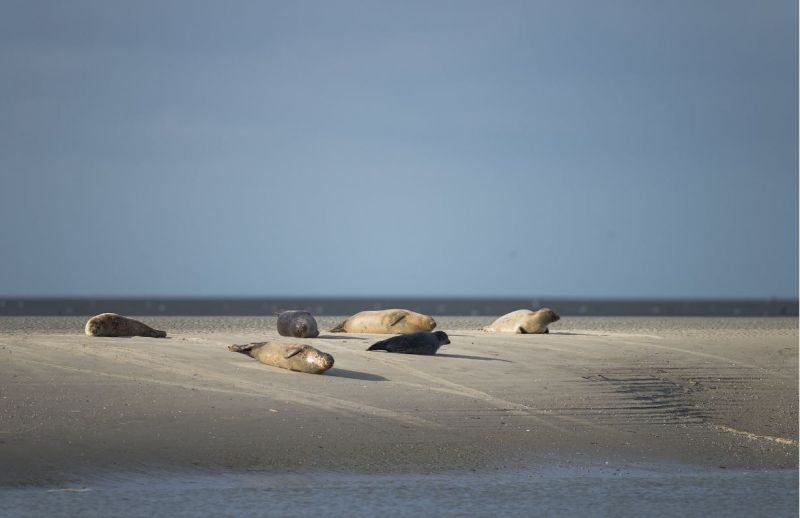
{"x":104,"y":324}
{"x":303,"y":325}
{"x":549,"y":315}
{"x":322,"y":361}
{"x":299,"y":328}
{"x":95,"y":327}
{"x":443,"y":338}
{"x":430,"y":322}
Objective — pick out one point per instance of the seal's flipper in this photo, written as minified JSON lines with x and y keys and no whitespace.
{"x":378,"y":346}
{"x":245,"y":348}
{"x":521,"y":331}
{"x":291,"y":351}
{"x":397,"y":319}
{"x":339,"y":328}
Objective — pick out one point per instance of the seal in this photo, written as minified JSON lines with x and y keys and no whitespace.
{"x":386,"y":321}
{"x":295,"y":357}
{"x":413,"y":343}
{"x":111,"y":324}
{"x":299,"y":324}
{"x":523,"y":321}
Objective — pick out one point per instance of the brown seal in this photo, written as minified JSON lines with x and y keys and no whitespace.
{"x":386,"y":321}
{"x":295,"y":357}
{"x":524,"y":321}
{"x":111,"y":324}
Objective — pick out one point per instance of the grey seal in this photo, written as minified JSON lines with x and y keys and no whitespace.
{"x":295,"y":357}
{"x":413,"y":343}
{"x":111,"y":324}
{"x":299,"y":324}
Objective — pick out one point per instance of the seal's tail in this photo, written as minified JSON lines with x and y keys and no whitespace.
{"x":339,"y":328}
{"x":378,"y":346}
{"x":244,"y":349}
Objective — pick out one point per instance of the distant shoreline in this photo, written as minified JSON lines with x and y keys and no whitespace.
{"x":445,"y":306}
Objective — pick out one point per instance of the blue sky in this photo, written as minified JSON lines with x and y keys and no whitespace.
{"x":564,"y":148}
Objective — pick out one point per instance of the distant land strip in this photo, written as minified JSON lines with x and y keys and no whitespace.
{"x":452,"y":306}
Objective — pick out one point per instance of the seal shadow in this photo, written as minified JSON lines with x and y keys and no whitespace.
{"x":574,"y":334}
{"x":468,"y":357}
{"x":354,"y":375}
{"x":136,"y":336}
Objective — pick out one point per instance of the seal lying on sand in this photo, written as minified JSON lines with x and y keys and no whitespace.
{"x":412,"y":343}
{"x":295,"y":357}
{"x":523,"y":321}
{"x":111,"y":324}
{"x":386,"y":321}
{"x":300,"y":324}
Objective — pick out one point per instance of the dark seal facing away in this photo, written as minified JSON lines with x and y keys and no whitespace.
{"x":111,"y":324}
{"x":295,"y":357}
{"x":299,"y":324}
{"x":413,"y":343}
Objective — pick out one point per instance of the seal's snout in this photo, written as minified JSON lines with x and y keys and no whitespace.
{"x":556,"y":318}
{"x":300,"y":330}
{"x":326,"y":360}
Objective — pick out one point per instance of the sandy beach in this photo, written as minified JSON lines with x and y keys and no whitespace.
{"x":711,"y":392}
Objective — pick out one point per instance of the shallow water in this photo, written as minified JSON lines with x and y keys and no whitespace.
{"x":594,"y":491}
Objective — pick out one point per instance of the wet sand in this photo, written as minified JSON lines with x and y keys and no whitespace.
{"x":710,"y":392}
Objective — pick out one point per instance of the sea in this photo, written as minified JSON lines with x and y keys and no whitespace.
{"x":600,"y":490}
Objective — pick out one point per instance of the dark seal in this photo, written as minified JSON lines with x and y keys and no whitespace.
{"x":111,"y":324}
{"x":413,"y":343}
{"x":299,"y":324}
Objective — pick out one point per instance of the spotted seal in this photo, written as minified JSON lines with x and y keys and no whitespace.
{"x":295,"y":357}
{"x":111,"y":324}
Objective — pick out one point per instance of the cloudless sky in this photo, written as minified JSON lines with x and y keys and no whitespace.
{"x":624,"y":148}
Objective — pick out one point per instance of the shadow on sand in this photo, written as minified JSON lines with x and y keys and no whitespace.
{"x":468,"y":357}
{"x":567,"y":333}
{"x":355,"y":375}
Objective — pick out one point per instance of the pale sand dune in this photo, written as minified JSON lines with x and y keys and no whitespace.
{"x":712,"y":392}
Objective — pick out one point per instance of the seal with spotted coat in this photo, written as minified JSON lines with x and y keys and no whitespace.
{"x":111,"y":324}
{"x":295,"y":357}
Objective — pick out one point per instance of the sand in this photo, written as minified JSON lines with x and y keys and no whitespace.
{"x":709,"y":392}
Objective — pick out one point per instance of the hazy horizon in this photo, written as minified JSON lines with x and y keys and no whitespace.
{"x":455,"y":149}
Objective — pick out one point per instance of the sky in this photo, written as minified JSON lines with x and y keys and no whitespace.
{"x":625,"y":148}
